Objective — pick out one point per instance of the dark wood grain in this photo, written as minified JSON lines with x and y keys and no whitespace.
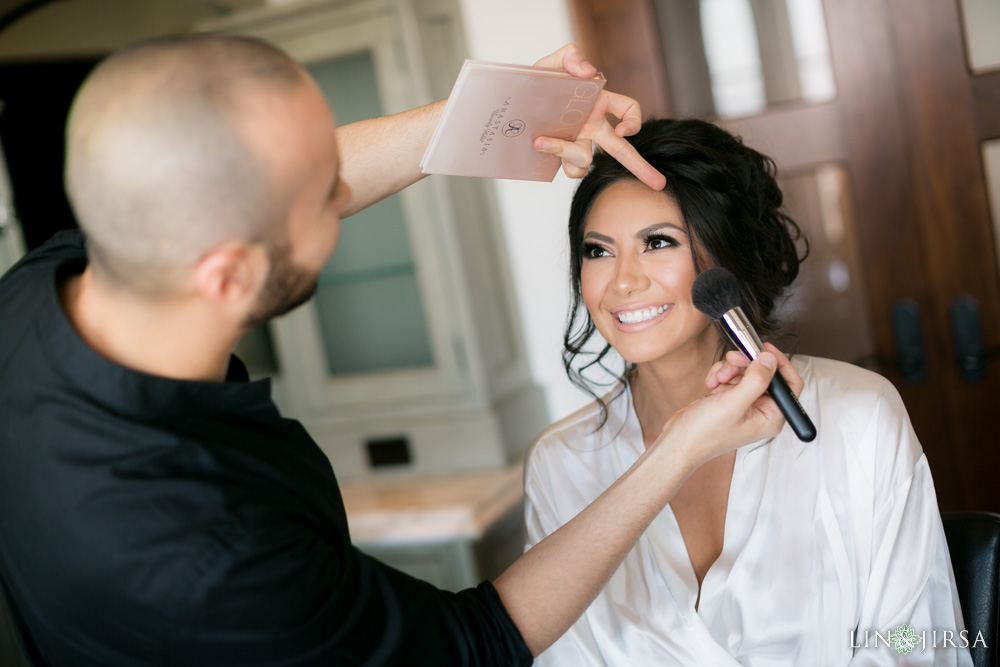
{"x":621,"y":38}
{"x":892,"y":248}
{"x":986,"y":101}
{"x":953,"y":213}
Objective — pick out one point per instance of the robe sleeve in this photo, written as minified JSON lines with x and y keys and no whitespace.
{"x":540,"y":513}
{"x":911,"y":582}
{"x":542,"y":517}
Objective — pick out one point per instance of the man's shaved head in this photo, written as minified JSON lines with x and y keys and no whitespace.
{"x":160,"y":168}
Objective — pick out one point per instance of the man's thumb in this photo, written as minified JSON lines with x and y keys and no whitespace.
{"x":758,"y":375}
{"x":768,"y":360}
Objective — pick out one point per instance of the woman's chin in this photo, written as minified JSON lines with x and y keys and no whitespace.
{"x":636,"y":357}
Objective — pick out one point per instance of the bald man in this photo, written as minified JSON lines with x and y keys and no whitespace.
{"x":155,"y":508}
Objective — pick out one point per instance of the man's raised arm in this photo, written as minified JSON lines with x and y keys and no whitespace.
{"x":381,"y":156}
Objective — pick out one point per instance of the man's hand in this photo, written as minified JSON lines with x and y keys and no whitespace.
{"x":730,"y":370}
{"x":548,"y":588}
{"x":737,"y":412}
{"x":577,"y":155}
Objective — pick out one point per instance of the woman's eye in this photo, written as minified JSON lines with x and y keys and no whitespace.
{"x":658,"y":242}
{"x":593,"y":251}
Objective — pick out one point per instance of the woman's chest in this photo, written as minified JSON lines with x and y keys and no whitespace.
{"x":700,"y":508}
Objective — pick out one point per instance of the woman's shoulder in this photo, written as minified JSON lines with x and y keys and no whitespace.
{"x":587,"y":417}
{"x":842,"y":372}
{"x":860,"y":413}
{"x":833,"y":384}
{"x":587,"y":430}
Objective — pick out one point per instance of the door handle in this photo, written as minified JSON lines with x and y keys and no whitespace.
{"x":967,"y":337}
{"x":908,"y":339}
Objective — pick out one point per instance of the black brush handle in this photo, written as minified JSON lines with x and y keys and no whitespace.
{"x":791,"y":408}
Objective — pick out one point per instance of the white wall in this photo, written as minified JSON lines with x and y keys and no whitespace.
{"x":534,"y":215}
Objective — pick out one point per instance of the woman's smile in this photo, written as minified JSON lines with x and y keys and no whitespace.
{"x":634,"y":318}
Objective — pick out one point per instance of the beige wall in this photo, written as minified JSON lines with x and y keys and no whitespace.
{"x":96,"y":26}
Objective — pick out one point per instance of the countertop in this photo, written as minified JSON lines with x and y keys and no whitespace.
{"x":406,"y":510}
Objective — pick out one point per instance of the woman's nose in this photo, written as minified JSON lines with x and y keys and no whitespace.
{"x":630,"y":276}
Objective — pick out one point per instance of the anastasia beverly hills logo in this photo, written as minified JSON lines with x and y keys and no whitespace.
{"x":904,"y":639}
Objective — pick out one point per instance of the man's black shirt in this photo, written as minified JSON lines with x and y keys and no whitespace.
{"x":146,"y":520}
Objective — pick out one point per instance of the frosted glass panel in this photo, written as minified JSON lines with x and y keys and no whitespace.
{"x":362,"y":324}
{"x":368,"y":302}
{"x":991,"y":160}
{"x":736,"y":58}
{"x":982,"y":34}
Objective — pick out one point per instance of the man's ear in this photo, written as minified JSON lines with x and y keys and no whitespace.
{"x":232,"y":273}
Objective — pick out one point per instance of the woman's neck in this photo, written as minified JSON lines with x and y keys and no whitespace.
{"x":662,"y":387}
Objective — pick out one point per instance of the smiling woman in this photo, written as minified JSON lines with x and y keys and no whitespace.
{"x":760,"y":554}
{"x":636,"y":276}
{"x":712,"y":181}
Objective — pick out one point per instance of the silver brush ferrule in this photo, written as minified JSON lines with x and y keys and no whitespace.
{"x":742,"y":333}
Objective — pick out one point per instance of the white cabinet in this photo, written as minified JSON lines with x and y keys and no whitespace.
{"x":411,"y":350}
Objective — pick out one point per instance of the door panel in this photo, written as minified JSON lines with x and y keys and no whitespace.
{"x":878,"y":143}
{"x":948,"y":186}
{"x":829,"y":306}
{"x":906,"y":131}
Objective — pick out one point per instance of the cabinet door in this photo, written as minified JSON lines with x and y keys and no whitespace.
{"x":388,"y":323}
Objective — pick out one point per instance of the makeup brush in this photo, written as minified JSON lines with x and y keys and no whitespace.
{"x":717,"y":294}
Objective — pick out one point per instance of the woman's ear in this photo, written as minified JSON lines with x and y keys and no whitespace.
{"x":233,"y":273}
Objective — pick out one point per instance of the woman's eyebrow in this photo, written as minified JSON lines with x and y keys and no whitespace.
{"x":646,"y":231}
{"x":599,"y":237}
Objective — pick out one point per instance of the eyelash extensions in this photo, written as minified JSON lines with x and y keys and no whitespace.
{"x":670,"y":241}
{"x":589,"y":249}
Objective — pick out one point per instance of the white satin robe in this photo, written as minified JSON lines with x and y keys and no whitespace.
{"x":821,"y":539}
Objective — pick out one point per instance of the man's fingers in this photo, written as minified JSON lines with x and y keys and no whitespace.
{"x":756,"y":377}
{"x":737,"y":358}
{"x":570,"y":58}
{"x":712,"y":379}
{"x":572,"y":170}
{"x":723,"y":373}
{"x":626,"y":109}
{"x":623,"y":151}
{"x":786,"y":369}
{"x":576,"y":156}
{"x":599,"y":130}
{"x":734,"y":414}
{"x":749,"y":388}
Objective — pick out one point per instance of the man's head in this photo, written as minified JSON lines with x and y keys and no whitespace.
{"x":206,"y":163}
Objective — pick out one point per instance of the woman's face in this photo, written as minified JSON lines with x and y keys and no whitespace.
{"x":636,"y":275}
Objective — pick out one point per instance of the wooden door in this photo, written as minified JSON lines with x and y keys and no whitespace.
{"x":905,"y":131}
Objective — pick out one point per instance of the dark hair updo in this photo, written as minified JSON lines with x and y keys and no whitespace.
{"x":731,"y":205}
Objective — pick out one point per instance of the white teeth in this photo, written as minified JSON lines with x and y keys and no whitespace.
{"x":634,"y":316}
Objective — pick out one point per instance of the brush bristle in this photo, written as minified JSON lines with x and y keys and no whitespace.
{"x":715,"y":292}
